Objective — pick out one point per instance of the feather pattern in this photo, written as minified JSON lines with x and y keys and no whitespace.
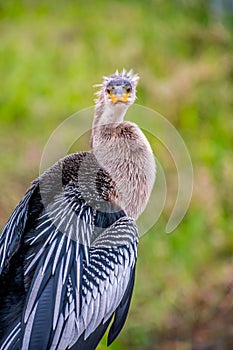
{"x":73,"y":267}
{"x":11,"y":234}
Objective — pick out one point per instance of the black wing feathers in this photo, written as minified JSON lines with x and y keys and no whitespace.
{"x":122,"y":311}
{"x":93,"y":340}
{"x":40,"y":333}
{"x":76,"y":262}
{"x":10,"y":239}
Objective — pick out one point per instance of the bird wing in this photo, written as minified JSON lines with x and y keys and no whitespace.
{"x":14,"y":228}
{"x":107,"y":284}
{"x":75,"y":287}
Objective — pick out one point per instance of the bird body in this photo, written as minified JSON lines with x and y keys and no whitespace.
{"x":68,"y":252}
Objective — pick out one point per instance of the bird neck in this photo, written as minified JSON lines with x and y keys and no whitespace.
{"x":107,"y":114}
{"x":124,"y":152}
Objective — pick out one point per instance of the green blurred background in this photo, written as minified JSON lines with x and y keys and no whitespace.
{"x":51,"y":53}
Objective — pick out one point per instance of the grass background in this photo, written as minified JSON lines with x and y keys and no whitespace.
{"x":51,"y":53}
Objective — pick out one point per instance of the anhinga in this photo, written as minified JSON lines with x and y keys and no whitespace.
{"x":68,"y":251}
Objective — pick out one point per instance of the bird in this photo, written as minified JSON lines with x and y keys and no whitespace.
{"x":68,"y":252}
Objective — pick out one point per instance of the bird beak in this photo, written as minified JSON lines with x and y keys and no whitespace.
{"x":119,"y":94}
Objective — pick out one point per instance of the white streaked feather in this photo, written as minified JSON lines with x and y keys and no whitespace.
{"x":49,"y":254}
{"x":78,"y":273}
{"x":84,"y":313}
{"x":91,"y":310}
{"x":110,"y":300}
{"x":112,"y":277}
{"x":28,"y":329}
{"x":30,"y":256}
{"x":66,"y":265}
{"x":59,"y":288}
{"x":101,"y":287}
{"x":67,"y":332}
{"x":33,"y":295}
{"x":81,"y":325}
{"x":57,"y":334}
{"x":94,"y":292}
{"x":58,"y":253}
{"x":11,"y":337}
{"x":44,"y":222}
{"x":102,"y":308}
{"x":68,"y":229}
{"x":67,"y":311}
{"x":39,"y":235}
{"x":72,"y":306}
{"x":39,"y":253}
{"x":95,"y":315}
{"x":34,"y":260}
{"x":88,"y":298}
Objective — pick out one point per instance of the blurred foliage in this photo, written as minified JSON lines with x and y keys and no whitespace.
{"x":51,"y":53}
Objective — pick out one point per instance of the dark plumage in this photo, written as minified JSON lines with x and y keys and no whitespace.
{"x":67,"y":259}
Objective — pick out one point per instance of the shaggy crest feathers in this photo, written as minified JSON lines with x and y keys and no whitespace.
{"x":130,"y":76}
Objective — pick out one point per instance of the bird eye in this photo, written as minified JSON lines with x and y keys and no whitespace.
{"x":128,"y":89}
{"x":108,"y":90}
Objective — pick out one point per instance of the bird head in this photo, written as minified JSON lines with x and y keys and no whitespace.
{"x":118,"y":88}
